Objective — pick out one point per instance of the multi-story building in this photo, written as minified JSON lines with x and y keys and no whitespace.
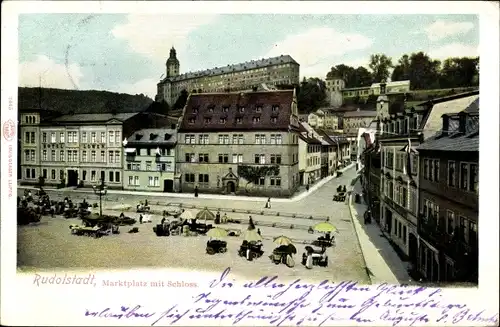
{"x":150,"y":161}
{"x":242,"y":143}
{"x":448,"y":220}
{"x":354,"y":120}
{"x":334,"y":87}
{"x":375,"y":89}
{"x":323,"y":119}
{"x":399,"y":179}
{"x":76,"y":149}
{"x":282,"y":70}
{"x":309,"y":155}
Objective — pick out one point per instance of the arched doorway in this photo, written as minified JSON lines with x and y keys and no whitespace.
{"x":413,"y":248}
{"x":231,"y":187}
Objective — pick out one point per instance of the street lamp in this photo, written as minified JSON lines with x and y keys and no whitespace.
{"x":101,"y":190}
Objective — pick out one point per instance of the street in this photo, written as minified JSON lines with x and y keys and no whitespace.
{"x":50,"y":244}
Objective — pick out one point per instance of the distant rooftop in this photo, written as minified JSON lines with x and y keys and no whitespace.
{"x":153,"y":136}
{"x":82,"y":118}
{"x":253,"y":64}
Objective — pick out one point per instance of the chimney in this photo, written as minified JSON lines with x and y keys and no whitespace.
{"x":446,"y":125}
{"x":462,"y":120}
{"x":382,"y":87}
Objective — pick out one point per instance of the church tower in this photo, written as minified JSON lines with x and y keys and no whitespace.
{"x":172,"y":64}
{"x":382,"y":108}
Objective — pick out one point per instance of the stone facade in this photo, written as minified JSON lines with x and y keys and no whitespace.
{"x":282,"y":70}
{"x":220,"y":134}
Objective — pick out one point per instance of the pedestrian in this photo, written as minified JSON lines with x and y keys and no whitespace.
{"x":258,"y":231}
{"x":268,"y":203}
{"x":196,"y":191}
{"x":217,"y":218}
{"x":307,"y":187}
{"x":140,"y":218}
{"x":146,"y":203}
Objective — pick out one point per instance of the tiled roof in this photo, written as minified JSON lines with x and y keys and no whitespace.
{"x":205,"y":112}
{"x":87,"y":118}
{"x":360,"y":113}
{"x":454,"y":140}
{"x":253,"y":64}
{"x":432,"y":122}
{"x":153,"y":136}
{"x":307,"y":134}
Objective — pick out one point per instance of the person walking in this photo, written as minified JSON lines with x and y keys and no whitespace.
{"x":268,"y":203}
{"x":140,"y":218}
{"x":196,"y":191}
{"x":258,"y":231}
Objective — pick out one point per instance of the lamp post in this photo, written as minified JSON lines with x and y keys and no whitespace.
{"x":100,"y":190}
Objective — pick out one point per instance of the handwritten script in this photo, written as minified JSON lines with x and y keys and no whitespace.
{"x":268,"y":301}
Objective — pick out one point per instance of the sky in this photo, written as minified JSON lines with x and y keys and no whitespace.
{"x":127,"y":52}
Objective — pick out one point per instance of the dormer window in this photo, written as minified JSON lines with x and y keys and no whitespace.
{"x":256,"y":119}
{"x":239,"y":120}
{"x":195,"y":110}
{"x":138,"y":137}
{"x":208,"y":120}
{"x":274,"y":120}
{"x":275,"y":108}
{"x":191,"y":120}
{"x":258,"y":109}
{"x":241,"y":109}
{"x":222,"y":120}
{"x":225,"y":109}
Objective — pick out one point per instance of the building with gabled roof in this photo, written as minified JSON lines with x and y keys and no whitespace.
{"x":282,"y":70}
{"x":239,"y":142}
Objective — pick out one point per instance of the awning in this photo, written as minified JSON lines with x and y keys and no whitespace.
{"x":130,"y":150}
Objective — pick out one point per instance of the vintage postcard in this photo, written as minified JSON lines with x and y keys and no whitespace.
{"x":249,"y":163}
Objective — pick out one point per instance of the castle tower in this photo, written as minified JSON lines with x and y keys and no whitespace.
{"x":172,"y":64}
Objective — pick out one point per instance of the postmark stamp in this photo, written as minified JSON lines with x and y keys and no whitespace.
{"x":9,"y":130}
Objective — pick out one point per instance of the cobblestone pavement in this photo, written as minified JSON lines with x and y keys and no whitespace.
{"x":48,"y":245}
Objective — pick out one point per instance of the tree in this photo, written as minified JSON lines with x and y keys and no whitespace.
{"x":252,"y":174}
{"x":311,"y":94}
{"x":361,"y":77}
{"x":380,"y":65}
{"x":181,"y":100}
{"x":424,"y":72}
{"x":459,"y":72}
{"x":401,"y":71}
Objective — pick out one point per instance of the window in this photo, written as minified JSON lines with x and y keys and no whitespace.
{"x":61,"y":155}
{"x":190,"y":157}
{"x":225,"y":109}
{"x":32,"y":134}
{"x":239,"y":120}
{"x":207,"y":120}
{"x":117,"y":156}
{"x":27,"y":137}
{"x":93,"y":137}
{"x":472,"y":233}
{"x":473,"y":183}
{"x":117,"y":137}
{"x":189,"y":178}
{"x":238,"y":139}
{"x":84,"y":156}
{"x":191,"y":121}
{"x":450,"y":222}
{"x":223,"y":158}
{"x":436,"y":171}
{"x":404,"y":197}
{"x":72,"y":137}
{"x":203,"y":157}
{"x":426,"y":168}
{"x":202,"y":178}
{"x":103,"y":137}
{"x":261,"y":181}
{"x":111,"y":136}
{"x":103,"y":156}
{"x":275,"y":108}
{"x":413,"y":200}
{"x":274,"y":119}
{"x":93,"y":156}
{"x":53,"y":137}
{"x":451,"y":173}
{"x":84,"y":137}
{"x":260,"y":158}
{"x":276,"y":139}
{"x":61,"y":137}
{"x":203,"y":139}
{"x":190,"y":139}
{"x":44,"y":155}
{"x":27,"y":155}
{"x":61,"y":175}
{"x":136,"y":181}
{"x":404,"y":234}
{"x":148,"y":165}
{"x":256,"y":119}
{"x":390,"y":160}
{"x":464,"y":176}
{"x":111,"y":176}
{"x":111,"y":157}
{"x":44,"y":173}
{"x":153,"y":181}
{"x":276,"y":159}
{"x":237,"y":158}
{"x":53,"y":174}
{"x":223,"y":139}
{"x":44,"y":137}
{"x":260,"y":139}
{"x":275,"y":181}
{"x":117,"y":176}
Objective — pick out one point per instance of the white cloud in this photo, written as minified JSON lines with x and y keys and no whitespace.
{"x":442,"y":29}
{"x":145,"y":86}
{"x":52,"y":74}
{"x":154,"y":35}
{"x":316,"y":49}
{"x":453,"y":50}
